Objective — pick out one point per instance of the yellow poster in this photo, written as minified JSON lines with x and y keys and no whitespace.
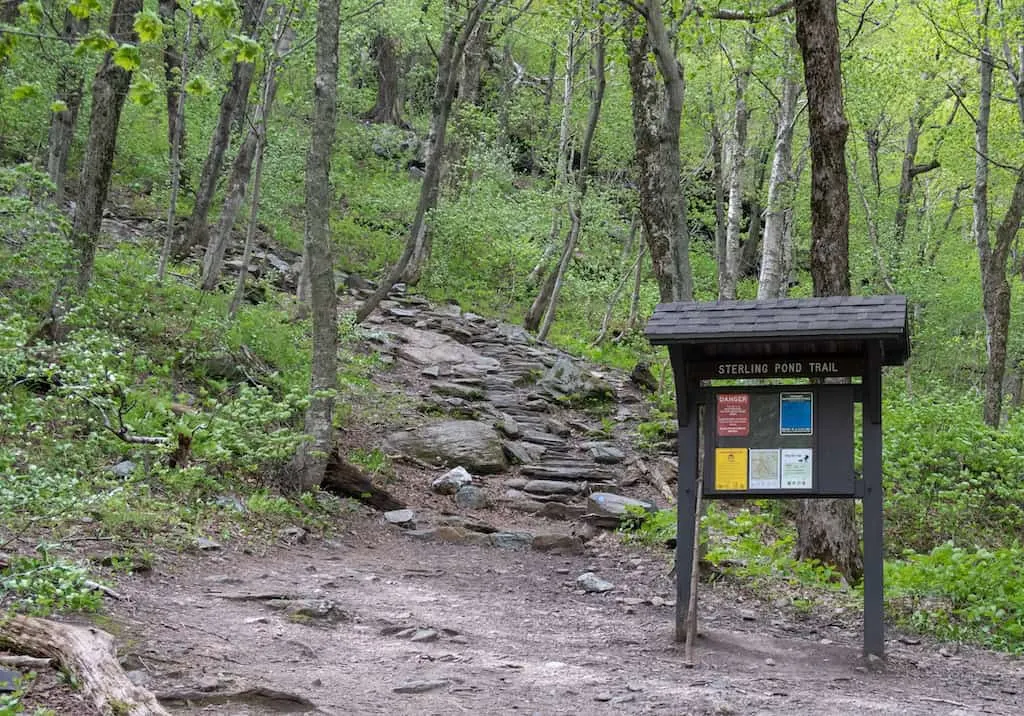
{"x":730,"y":468}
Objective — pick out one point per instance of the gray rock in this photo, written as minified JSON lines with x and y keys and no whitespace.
{"x":448,"y":310}
{"x":511,"y":540}
{"x":402,"y":518}
{"x":565,"y":380}
{"x":552,"y":487}
{"x":557,"y":427}
{"x":425,"y":635}
{"x":518,"y":452}
{"x":123,"y":469}
{"x":450,"y":482}
{"x":9,"y":680}
{"x":294,"y":533}
{"x":426,"y":348}
{"x":470,"y":497}
{"x":590,"y":582}
{"x":558,"y":544}
{"x":509,"y":426}
{"x":421,"y":687}
{"x":612,"y":507}
{"x":305,"y":610}
{"x":230,"y":502}
{"x":474,"y":445}
{"x":606,"y":454}
{"x":459,"y":390}
{"x":207,"y":544}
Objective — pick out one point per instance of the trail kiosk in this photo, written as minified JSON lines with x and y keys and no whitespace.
{"x":791,"y":439}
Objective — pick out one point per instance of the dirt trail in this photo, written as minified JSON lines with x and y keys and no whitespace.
{"x":414,"y":627}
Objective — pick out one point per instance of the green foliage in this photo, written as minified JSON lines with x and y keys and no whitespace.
{"x":41,"y":585}
{"x":962,"y":594}
{"x":948,"y":476}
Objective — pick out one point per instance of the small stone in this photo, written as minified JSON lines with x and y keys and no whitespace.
{"x":556,"y":427}
{"x":945,"y":652}
{"x":256,"y":620}
{"x":769,"y":662}
{"x":402,"y":518}
{"x":635,"y":688}
{"x":425,"y":635}
{"x":123,"y":469}
{"x":590,"y":582}
{"x":450,"y":482}
{"x":471,"y":498}
{"x":139,"y":677}
{"x":206,"y":544}
{"x":910,"y":640}
{"x":748,"y":616}
{"x":317,"y":682}
{"x":606,"y":454}
{"x":293,"y":534}
{"x":558,"y":544}
{"x":826,"y":642}
{"x":510,"y":427}
{"x":511,"y":540}
{"x":420,"y":687}
{"x":230,"y":502}
{"x":603,"y":696}
{"x":624,"y":699}
{"x":657,"y":601}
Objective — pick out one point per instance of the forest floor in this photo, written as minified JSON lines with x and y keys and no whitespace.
{"x":376,"y":619}
{"x":406,"y":626}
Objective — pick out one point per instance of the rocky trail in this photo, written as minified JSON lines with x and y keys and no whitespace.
{"x":496,"y":587}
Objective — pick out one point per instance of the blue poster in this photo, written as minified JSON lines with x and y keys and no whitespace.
{"x":796,"y":413}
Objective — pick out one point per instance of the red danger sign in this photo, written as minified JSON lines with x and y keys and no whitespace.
{"x":733,"y":415}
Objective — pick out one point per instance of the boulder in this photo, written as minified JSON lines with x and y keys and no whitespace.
{"x":565,"y":380}
{"x":474,"y":445}
{"x":470,"y":497}
{"x":608,"y":509}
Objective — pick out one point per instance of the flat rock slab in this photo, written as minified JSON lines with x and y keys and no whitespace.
{"x":552,"y":487}
{"x":474,"y":445}
{"x":567,"y":472}
{"x":431,"y":348}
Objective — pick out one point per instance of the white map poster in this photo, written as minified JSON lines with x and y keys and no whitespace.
{"x":797,"y":473}
{"x":764,"y":469}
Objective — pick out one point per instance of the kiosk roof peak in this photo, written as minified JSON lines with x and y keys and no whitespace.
{"x":833,"y":325}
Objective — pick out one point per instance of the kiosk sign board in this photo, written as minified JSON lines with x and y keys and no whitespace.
{"x":769,"y":441}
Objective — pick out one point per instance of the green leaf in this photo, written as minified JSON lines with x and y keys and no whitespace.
{"x":198,"y":86}
{"x":143,"y":91}
{"x":59,"y":106}
{"x":149,"y":26}
{"x":82,"y":9}
{"x":95,"y":41}
{"x":32,"y":11}
{"x":127,"y":57}
{"x":25,"y":91}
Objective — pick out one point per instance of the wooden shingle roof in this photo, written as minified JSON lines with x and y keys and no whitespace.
{"x":835,"y":325}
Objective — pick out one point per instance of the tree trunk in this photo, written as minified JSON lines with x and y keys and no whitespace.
{"x":388,"y":108}
{"x":535,"y":314}
{"x":827,"y":528}
{"x":173,"y":75}
{"x":718,"y":181}
{"x":198,"y":233}
{"x":417,"y":247}
{"x":576,"y":201}
{"x":657,"y":112}
{"x":995,"y":287}
{"x":471,"y":67}
{"x":736,"y":152}
{"x":109,"y":90}
{"x":313,"y":455}
{"x":86,"y":652}
{"x":241,"y":170}
{"x":749,"y":249}
{"x":176,"y":128}
{"x":70,"y":87}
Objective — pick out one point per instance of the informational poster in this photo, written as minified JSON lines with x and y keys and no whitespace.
{"x":764,"y":469}
{"x":797,"y":472}
{"x":733,"y":417}
{"x":796,"y":413}
{"x":730,"y":468}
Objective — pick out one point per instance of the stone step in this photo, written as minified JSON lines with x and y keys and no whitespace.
{"x":534,"y":436}
{"x":568,"y":472}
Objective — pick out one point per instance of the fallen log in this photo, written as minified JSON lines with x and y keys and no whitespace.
{"x":346,"y":480}
{"x":88,"y":653}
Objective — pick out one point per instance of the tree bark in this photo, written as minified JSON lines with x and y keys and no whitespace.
{"x":749,"y":249}
{"x":657,"y":112}
{"x":313,"y":455}
{"x":772,"y":279}
{"x":388,"y":108}
{"x":173,"y":75}
{"x":241,"y":170}
{"x":70,"y":88}
{"x":471,"y":68}
{"x":109,"y":90}
{"x":89,"y":654}
{"x":198,"y":232}
{"x":827,"y":528}
{"x":736,"y":152}
{"x":718,"y":180}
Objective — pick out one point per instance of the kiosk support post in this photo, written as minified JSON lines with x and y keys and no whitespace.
{"x":686,"y":486}
{"x":874,"y":627}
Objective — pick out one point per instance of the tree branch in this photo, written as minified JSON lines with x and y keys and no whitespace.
{"x":924,"y":168}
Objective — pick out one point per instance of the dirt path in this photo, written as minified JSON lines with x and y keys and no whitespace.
{"x":414,"y":627}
